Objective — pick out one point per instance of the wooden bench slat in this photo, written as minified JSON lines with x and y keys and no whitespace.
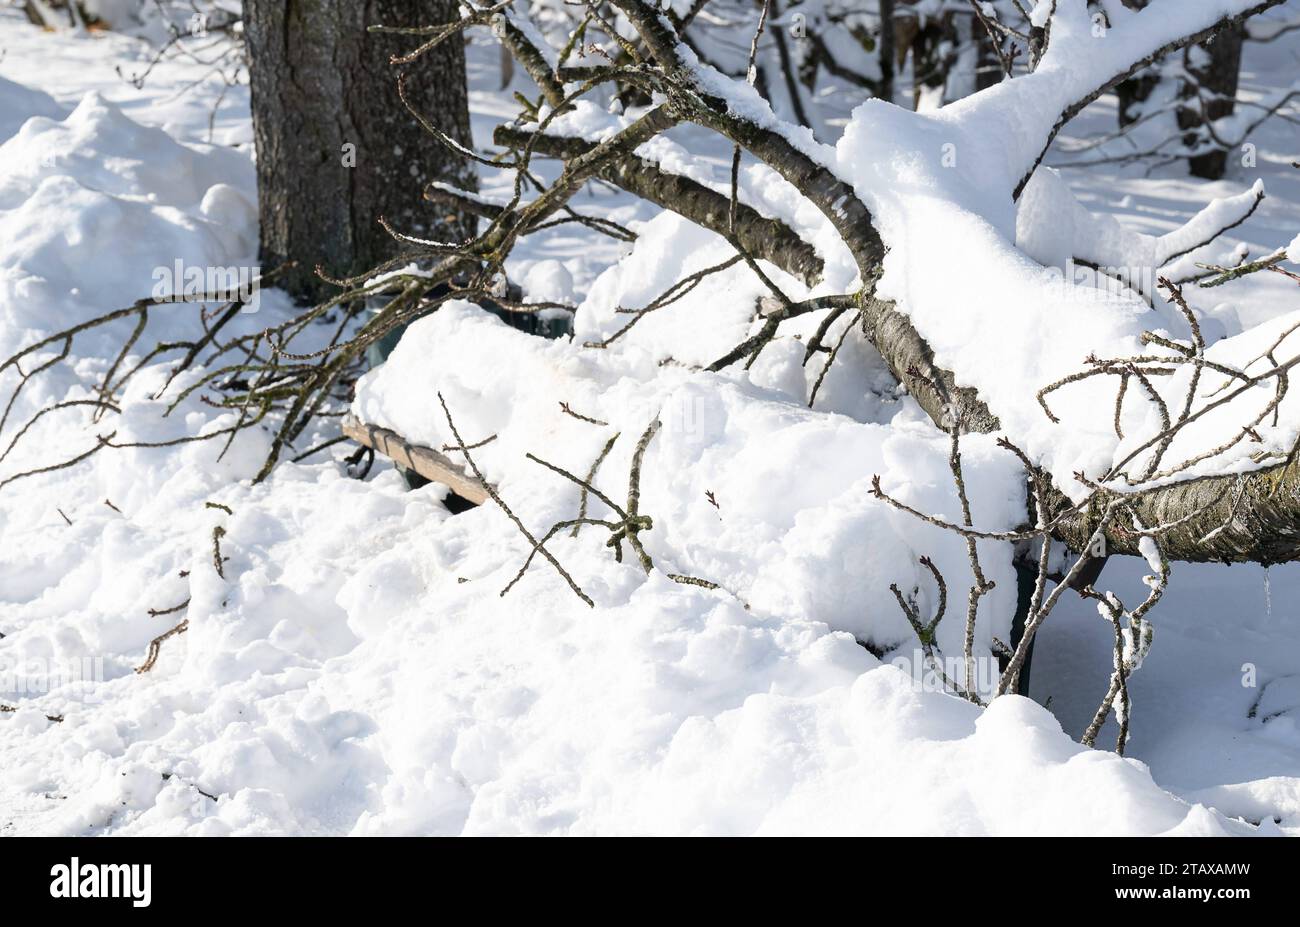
{"x":430,"y":464}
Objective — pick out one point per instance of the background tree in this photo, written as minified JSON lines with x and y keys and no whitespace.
{"x":336,"y":149}
{"x":1203,"y":81}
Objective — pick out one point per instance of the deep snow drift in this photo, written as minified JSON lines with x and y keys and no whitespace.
{"x":357,"y":670}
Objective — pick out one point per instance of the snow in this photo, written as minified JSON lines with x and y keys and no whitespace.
{"x":1151,"y":553}
{"x":1055,"y":229}
{"x":547,"y":281}
{"x":95,"y":183}
{"x":19,"y":103}
{"x":939,"y":186}
{"x":356,"y":669}
{"x":716,"y":438}
{"x":930,"y":207}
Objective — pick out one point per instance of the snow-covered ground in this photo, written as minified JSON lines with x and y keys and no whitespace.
{"x":356,"y":670}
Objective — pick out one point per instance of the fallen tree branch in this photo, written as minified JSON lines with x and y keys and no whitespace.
{"x":767,"y":239}
{"x":538,"y":547}
{"x":155,"y":646}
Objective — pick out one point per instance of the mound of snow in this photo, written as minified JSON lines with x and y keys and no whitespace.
{"x":356,"y":671}
{"x":107,"y":151}
{"x":91,"y":207}
{"x":747,"y":487}
{"x":19,"y":103}
{"x":96,"y":212}
{"x":66,"y":237}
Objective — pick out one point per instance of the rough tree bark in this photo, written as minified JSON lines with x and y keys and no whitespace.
{"x":335,"y":147}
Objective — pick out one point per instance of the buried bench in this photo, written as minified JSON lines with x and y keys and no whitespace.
{"x":437,"y":467}
{"x":425,"y":461}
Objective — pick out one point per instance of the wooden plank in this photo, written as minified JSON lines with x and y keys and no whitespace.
{"x":430,"y":464}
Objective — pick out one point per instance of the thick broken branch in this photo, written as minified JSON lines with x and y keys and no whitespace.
{"x":767,"y":239}
{"x":1262,"y":528}
{"x":689,"y":94}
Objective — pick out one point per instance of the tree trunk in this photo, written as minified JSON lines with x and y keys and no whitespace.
{"x":933,"y":55}
{"x":888,"y":52}
{"x":1137,"y":89}
{"x":336,"y":149}
{"x":1216,"y":68}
